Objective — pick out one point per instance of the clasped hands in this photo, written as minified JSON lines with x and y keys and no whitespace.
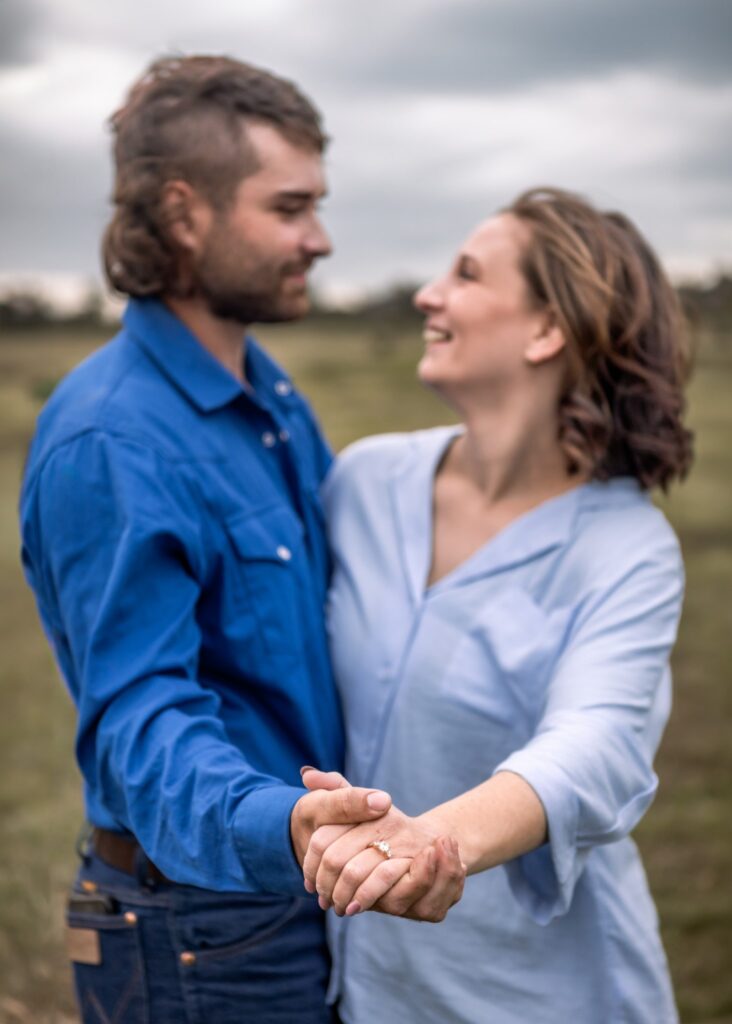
{"x":423,"y":878}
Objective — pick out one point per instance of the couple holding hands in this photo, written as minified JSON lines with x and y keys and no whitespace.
{"x":465,"y":630}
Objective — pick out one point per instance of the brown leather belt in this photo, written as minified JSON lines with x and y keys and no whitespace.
{"x":121,"y":853}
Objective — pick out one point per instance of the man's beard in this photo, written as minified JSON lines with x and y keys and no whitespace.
{"x":248,"y":306}
{"x":247,"y":290}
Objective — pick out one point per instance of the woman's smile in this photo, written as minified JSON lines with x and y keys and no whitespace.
{"x":435,"y":335}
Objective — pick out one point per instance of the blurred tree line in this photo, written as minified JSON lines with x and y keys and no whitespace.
{"x":709,"y":306}
{"x":27,"y":309}
{"x":385,"y":313}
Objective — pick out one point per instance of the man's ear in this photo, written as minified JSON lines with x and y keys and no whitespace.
{"x":547,"y":342}
{"x":186,"y":215}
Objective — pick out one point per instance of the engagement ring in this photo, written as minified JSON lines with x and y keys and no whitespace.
{"x":382,"y":846}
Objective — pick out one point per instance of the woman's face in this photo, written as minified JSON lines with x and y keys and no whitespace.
{"x":479,"y":320}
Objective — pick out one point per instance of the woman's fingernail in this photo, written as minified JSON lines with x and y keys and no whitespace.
{"x":353,"y":908}
{"x":309,"y":887}
{"x":307,"y":768}
{"x":378,"y":801}
{"x":323,"y":903}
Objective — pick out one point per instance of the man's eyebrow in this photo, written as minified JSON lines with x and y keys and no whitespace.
{"x":301,"y":194}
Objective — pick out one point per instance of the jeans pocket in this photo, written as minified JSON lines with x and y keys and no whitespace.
{"x":259,"y":958}
{"x":219,"y":930}
{"x":108,"y":966}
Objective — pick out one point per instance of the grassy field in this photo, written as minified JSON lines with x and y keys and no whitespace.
{"x":362,"y":383}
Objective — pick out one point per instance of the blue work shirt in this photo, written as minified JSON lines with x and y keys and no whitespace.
{"x":545,"y":654}
{"x":173,"y":535}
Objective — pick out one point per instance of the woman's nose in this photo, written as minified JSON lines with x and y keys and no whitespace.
{"x":428,"y":297}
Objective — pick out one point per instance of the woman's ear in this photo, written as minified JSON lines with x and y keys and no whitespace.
{"x":186,"y":215}
{"x":548,"y":341}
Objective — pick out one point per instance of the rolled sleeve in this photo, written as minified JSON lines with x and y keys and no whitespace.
{"x":590,"y":760}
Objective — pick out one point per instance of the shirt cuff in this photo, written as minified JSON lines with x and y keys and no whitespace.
{"x":543,"y":880}
{"x":262,"y":835}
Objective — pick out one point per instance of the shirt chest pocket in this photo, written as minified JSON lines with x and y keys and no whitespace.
{"x":268,"y":578}
{"x":505,"y":658}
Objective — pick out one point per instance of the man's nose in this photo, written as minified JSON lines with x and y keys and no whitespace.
{"x":317,"y":241}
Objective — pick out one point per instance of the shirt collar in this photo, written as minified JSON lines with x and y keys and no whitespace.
{"x":547,"y":526}
{"x":194,"y":371}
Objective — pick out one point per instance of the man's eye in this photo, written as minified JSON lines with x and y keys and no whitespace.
{"x":289,"y":211}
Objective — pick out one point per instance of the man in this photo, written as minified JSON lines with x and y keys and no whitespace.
{"x":173,"y":536}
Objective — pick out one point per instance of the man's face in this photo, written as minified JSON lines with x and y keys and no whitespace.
{"x":253,"y":264}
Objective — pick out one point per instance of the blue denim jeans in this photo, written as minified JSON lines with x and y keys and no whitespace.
{"x":174,"y":954}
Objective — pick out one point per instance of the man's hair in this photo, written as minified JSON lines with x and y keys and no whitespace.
{"x":186,"y":118}
{"x":621,"y":411}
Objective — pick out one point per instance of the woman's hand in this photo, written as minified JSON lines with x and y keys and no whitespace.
{"x":344,"y":870}
{"x":422,"y":880}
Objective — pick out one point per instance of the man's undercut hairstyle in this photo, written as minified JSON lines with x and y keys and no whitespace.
{"x":186,"y":119}
{"x":628,"y":358}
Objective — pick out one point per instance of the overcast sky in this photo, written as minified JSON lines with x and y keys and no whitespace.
{"x":439,"y":110}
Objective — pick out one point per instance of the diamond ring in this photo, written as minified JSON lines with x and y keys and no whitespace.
{"x":382,"y":846}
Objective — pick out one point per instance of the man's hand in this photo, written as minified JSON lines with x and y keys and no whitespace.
{"x":335,"y":804}
{"x":422,"y":880}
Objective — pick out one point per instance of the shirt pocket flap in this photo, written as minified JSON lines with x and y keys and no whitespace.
{"x":507,"y":654}
{"x":272,"y":534}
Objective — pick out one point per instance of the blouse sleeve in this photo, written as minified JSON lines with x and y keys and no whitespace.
{"x":590,"y":760}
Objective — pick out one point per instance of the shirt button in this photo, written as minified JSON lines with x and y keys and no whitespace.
{"x":284,"y":553}
{"x":284,"y":436}
{"x":188,"y":959}
{"x":268,"y":439}
{"x":283,"y":387}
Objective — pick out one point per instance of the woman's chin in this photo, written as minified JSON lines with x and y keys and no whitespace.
{"x":430,"y":377}
{"x":428,"y":371}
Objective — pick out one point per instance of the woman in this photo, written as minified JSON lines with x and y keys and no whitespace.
{"x":504,"y":604}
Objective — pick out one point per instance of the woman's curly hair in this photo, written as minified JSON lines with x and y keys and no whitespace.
{"x":186,"y":118}
{"x":621,"y":412}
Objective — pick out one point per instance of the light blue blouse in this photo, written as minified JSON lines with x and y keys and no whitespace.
{"x":546,"y":654}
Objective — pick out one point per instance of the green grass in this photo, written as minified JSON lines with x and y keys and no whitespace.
{"x":361,"y":382}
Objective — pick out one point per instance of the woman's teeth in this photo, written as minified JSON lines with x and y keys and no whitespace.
{"x":431,"y":334}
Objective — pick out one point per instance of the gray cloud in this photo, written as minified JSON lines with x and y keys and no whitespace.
{"x":707,"y":162}
{"x":52,"y":203}
{"x":440,"y":113}
{"x":472,"y":46}
{"x":20,"y":27}
{"x":421,"y":45}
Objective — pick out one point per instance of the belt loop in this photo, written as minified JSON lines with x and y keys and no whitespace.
{"x":142,"y":866}
{"x":84,"y":846}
